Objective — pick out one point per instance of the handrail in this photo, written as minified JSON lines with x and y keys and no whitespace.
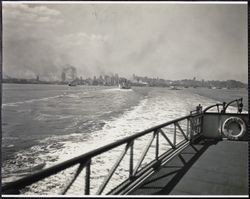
{"x":209,"y":107}
{"x":226,"y":105}
{"x":239,"y":105}
{"x":85,"y":158}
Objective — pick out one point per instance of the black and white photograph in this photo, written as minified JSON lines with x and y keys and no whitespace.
{"x":124,"y":98}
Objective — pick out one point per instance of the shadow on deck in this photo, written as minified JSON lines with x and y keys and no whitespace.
{"x":163,"y":181}
{"x":199,"y":171}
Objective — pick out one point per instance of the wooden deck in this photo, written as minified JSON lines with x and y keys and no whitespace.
{"x":206,"y":168}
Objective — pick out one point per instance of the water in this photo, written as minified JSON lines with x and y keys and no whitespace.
{"x":46,"y":124}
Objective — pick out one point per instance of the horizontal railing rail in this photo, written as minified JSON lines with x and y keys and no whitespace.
{"x":225,"y":105}
{"x":135,"y":170}
{"x":212,"y":106}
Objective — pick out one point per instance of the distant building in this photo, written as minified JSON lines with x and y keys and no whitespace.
{"x":69,"y":73}
{"x":63,"y":76}
{"x":116,"y":79}
{"x":108,"y":80}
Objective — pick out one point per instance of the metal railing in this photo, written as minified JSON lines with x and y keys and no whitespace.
{"x":225,"y":105}
{"x":137,"y":171}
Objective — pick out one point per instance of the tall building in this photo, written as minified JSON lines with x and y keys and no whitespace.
{"x":63,"y":76}
{"x":116,"y":78}
{"x":69,"y":73}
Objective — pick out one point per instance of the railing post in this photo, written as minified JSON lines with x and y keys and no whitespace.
{"x":201,"y":124}
{"x":188,"y":132}
{"x":131,"y":160}
{"x":87,"y":178}
{"x":174,"y":141}
{"x":191,"y":128}
{"x":156,"y":144}
{"x":240,"y":105}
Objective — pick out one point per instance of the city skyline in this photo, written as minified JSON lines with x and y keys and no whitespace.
{"x":69,"y":76}
{"x":169,"y":41}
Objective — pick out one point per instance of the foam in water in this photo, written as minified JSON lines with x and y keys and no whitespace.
{"x":117,"y":90}
{"x":31,"y":101}
{"x":47,"y":117}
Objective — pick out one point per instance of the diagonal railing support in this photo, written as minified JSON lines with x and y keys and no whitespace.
{"x":170,"y":143}
{"x":144,"y":154}
{"x":79,"y":169}
{"x":102,"y":187}
{"x":182,"y":132}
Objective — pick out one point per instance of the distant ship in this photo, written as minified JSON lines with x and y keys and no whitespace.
{"x":73,"y":83}
{"x":174,"y":88}
{"x":124,"y":85}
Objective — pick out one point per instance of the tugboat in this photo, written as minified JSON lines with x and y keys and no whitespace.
{"x":73,"y":83}
{"x":174,"y":88}
{"x":124,"y":85}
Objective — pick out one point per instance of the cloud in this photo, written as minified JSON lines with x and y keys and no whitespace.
{"x":28,"y":43}
{"x":20,"y":20}
{"x":85,"y":51}
{"x":25,"y":12}
{"x":80,"y":39}
{"x":166,"y":40}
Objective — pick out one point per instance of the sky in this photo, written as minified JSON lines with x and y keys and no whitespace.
{"x":169,"y":41}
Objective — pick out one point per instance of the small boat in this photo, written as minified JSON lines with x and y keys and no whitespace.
{"x":124,"y":85}
{"x":72,"y":84}
{"x":174,"y":88}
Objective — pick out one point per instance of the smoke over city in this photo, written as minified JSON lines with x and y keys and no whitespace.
{"x":158,"y":40}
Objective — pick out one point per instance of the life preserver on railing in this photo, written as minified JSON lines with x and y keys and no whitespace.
{"x":233,"y":128}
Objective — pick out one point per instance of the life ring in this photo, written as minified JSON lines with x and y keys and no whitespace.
{"x":233,"y":128}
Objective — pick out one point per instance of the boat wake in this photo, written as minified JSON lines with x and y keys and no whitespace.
{"x":31,"y":101}
{"x":117,"y":90}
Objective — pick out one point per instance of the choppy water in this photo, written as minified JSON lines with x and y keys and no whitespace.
{"x":46,"y":124}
